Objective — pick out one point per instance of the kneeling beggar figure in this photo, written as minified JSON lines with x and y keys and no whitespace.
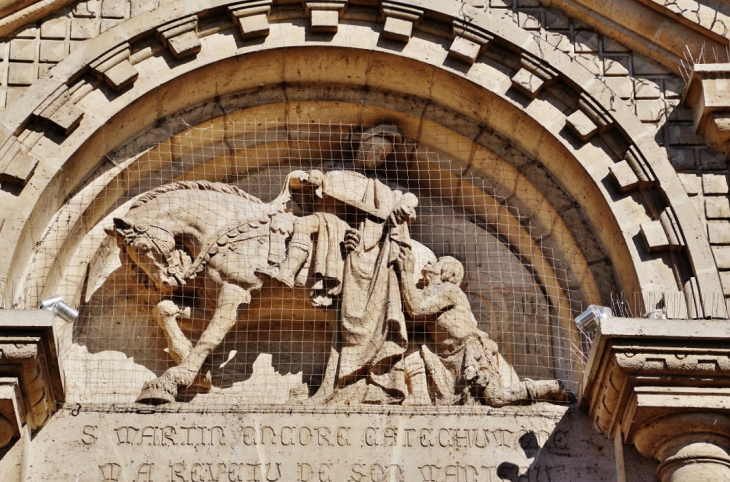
{"x":353,"y":250}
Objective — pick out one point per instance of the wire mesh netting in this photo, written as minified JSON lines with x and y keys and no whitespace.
{"x":257,"y":262}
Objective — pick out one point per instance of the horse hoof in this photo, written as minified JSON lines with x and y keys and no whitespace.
{"x":155,"y":393}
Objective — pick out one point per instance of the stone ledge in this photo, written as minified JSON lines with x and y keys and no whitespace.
{"x":658,"y":384}
{"x":31,"y":381}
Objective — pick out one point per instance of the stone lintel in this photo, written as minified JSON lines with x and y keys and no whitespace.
{"x":708,"y":94}
{"x":655,"y":382}
{"x":31,"y":381}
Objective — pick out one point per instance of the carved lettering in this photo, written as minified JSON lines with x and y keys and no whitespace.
{"x":126,"y":435}
{"x":272,"y":434}
{"x":144,"y":473}
{"x":89,"y":436}
{"x":424,"y":436}
{"x":560,"y":439}
{"x":376,"y":473}
{"x":110,"y":472}
{"x":176,"y":472}
{"x":286,"y":435}
{"x":370,"y":436}
{"x":305,"y":434}
{"x":308,"y":473}
{"x":323,"y":434}
{"x":147,"y":435}
{"x":343,"y":436}
{"x":454,"y":473}
{"x":168,"y":433}
{"x":389,"y":437}
{"x":165,"y":436}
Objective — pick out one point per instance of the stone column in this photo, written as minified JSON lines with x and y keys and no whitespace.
{"x":689,"y":446}
{"x":664,"y":386}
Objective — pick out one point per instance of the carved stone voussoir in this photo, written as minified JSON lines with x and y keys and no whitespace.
{"x":656,"y":383}
{"x":31,"y":385}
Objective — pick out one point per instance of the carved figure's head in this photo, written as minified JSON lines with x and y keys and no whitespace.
{"x":376,"y":145}
{"x":151,"y":249}
{"x":446,"y":270}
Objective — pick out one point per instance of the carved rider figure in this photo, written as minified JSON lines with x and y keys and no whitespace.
{"x":371,"y":337}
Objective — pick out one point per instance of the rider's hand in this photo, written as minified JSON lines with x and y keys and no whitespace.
{"x":352,"y":240}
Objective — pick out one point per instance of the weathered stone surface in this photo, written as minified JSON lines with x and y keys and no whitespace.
{"x":660,"y":384}
{"x":478,"y":96}
{"x":654,"y":236}
{"x":624,"y":176}
{"x":31,"y":386}
{"x":378,"y":261}
{"x":581,"y":125}
{"x":315,"y":446}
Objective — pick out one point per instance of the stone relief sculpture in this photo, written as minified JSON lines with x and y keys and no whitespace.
{"x":354,"y":249}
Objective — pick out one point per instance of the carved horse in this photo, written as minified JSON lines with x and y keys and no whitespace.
{"x":214,"y":235}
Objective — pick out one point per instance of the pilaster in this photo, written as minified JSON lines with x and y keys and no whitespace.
{"x":664,"y":386}
{"x":31,"y":382}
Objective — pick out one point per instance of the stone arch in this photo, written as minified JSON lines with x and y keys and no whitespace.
{"x":474,"y":66}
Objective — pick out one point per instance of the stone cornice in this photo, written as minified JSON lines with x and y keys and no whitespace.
{"x":659,"y":383}
{"x":633,"y":358}
{"x":649,"y":27}
{"x":31,"y":382}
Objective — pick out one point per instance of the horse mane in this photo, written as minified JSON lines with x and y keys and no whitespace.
{"x":198,"y":185}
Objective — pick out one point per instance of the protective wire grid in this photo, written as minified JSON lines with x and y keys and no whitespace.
{"x":377,"y":337}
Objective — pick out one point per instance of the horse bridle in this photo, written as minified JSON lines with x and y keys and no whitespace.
{"x":173,"y":265}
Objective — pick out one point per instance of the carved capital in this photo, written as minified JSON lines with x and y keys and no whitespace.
{"x":31,"y":385}
{"x":708,"y":94}
{"x":664,"y":386}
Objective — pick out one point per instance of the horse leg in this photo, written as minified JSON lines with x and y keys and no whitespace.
{"x":166,"y":312}
{"x":164,"y":388}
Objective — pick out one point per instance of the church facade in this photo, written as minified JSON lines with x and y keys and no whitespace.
{"x":404,"y":240}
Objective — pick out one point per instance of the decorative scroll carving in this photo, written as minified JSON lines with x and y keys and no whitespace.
{"x":354,"y":248}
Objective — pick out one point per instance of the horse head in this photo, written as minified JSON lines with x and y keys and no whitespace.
{"x":153,"y":250}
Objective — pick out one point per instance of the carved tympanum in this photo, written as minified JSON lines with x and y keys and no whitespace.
{"x":354,"y":249}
